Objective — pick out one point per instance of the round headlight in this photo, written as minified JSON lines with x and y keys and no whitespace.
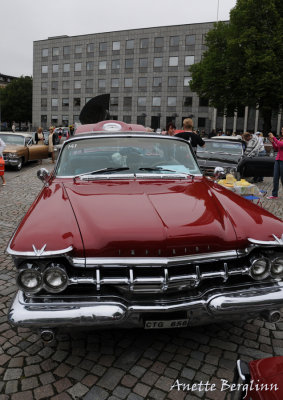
{"x":277,"y":268}
{"x":55,"y":278}
{"x":260,"y":268}
{"x":29,"y":280}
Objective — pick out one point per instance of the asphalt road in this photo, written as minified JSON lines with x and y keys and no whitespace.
{"x":114,"y":365}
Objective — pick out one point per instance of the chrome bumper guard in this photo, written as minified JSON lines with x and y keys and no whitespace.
{"x":101,"y":312}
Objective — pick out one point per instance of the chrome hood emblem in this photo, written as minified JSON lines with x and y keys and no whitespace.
{"x":38,"y":252}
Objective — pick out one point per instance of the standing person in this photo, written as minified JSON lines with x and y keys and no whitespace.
{"x":39,"y":138}
{"x":13,"y":127}
{"x":2,"y":162}
{"x":170,"y":129}
{"x":278,"y":165}
{"x":189,"y":135}
{"x":51,"y":143}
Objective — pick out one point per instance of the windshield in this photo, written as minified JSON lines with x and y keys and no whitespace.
{"x":218,"y":146}
{"x":13,"y":139}
{"x":138,"y":155}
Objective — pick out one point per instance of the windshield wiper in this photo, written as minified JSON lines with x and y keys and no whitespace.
{"x":156,"y":169}
{"x":102,"y":170}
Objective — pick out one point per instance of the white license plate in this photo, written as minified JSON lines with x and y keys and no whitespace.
{"x":173,"y":323}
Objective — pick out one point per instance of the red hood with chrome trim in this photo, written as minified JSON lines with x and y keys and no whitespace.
{"x":142,"y":218}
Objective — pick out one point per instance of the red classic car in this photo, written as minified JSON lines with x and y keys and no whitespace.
{"x":258,"y":380}
{"x":133,"y":235}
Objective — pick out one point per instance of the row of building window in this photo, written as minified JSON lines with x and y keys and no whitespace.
{"x":127,"y":101}
{"x":115,"y":83}
{"x":174,"y":41}
{"x":115,"y":64}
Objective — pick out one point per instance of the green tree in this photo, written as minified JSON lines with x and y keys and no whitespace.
{"x":16,"y":100}
{"x":243,"y":61}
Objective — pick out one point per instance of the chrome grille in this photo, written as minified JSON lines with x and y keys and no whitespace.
{"x":157,"y":279}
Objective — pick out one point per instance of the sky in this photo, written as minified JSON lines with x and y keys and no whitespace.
{"x":26,"y":21}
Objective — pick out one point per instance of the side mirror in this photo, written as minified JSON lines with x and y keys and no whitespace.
{"x":44,"y":176}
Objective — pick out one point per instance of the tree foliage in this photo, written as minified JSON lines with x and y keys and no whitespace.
{"x":16,"y":100}
{"x":243,"y":61}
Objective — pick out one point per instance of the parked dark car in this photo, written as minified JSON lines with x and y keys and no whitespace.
{"x":228,"y":153}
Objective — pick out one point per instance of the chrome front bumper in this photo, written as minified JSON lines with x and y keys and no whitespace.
{"x":101,"y":312}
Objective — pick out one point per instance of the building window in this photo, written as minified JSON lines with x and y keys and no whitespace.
{"x":156,"y":101}
{"x":130,"y":44}
{"x":55,"y":51}
{"x":172,"y":81}
{"x":54,"y":119}
{"x":127,"y":102}
{"x":158,"y":42}
{"x":115,"y":46}
{"x":201,"y":122}
{"x":172,"y":101}
{"x":66,"y":50}
{"x":89,"y":66}
{"x":174,"y":40}
{"x":54,"y":85}
{"x":188,"y":101}
{"x":43,"y":85}
{"x":203,"y":102}
{"x":143,"y":62}
{"x":54,"y":102}
{"x":78,"y":67}
{"x":115,"y":82}
{"x":129,"y":63}
{"x":127,"y":119}
{"x":43,"y":119}
{"x":144,"y":43}
{"x":44,"y":53}
{"x":66,"y":68}
{"x":90,"y":48}
{"x":102,"y":65}
{"x":44,"y":69}
{"x":65,"y":120}
{"x":142,"y":82}
{"x":141,"y":119}
{"x":173,"y":61}
{"x":190,"y":40}
{"x":78,"y":49}
{"x":128,"y":82}
{"x":157,"y":62}
{"x":55,"y":68}
{"x":115,"y":64}
{"x":43,"y":102}
{"x":103,"y":46}
{"x":77,"y":85}
{"x":114,"y":101}
{"x":187,"y":80}
{"x":189,"y":60}
{"x":66,"y":84}
{"x":141,"y":101}
{"x":77,"y":101}
{"x":157,"y":81}
{"x":87,"y":99}
{"x":102,"y":83}
{"x":89,"y":83}
{"x":65,"y":102}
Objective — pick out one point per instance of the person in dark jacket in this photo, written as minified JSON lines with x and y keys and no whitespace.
{"x":189,"y":135}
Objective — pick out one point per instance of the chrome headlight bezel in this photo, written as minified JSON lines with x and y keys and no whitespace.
{"x":276,"y":275}
{"x":258,"y":275}
{"x":29,"y":273}
{"x":58,"y":272}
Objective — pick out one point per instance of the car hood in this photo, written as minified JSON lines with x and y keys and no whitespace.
{"x":142,"y":218}
{"x":13,"y":148}
{"x":208,"y":157}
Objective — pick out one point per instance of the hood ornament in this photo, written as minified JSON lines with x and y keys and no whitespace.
{"x":38,"y":252}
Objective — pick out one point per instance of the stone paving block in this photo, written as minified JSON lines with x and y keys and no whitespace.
{"x":121,"y":392}
{"x":62,"y":384}
{"x":28,"y":395}
{"x":11,"y":387}
{"x":111,"y":378}
{"x":142,"y":390}
{"x":96,"y":393}
{"x":129,"y":381}
{"x":157,"y":394}
{"x":44,"y":392}
{"x":13,"y":373}
{"x":29,"y":383}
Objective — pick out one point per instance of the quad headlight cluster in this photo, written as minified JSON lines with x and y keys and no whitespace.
{"x":53,"y":279}
{"x":263,"y":267}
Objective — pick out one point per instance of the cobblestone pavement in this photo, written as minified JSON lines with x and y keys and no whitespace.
{"x":115,"y":365}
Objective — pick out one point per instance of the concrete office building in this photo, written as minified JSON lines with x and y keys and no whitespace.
{"x":144,"y":70}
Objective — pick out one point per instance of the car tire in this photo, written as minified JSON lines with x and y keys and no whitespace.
{"x":20,"y":164}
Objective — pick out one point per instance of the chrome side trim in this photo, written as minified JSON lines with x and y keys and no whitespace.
{"x":34,"y":254}
{"x":276,"y":242}
{"x":157,"y":261}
